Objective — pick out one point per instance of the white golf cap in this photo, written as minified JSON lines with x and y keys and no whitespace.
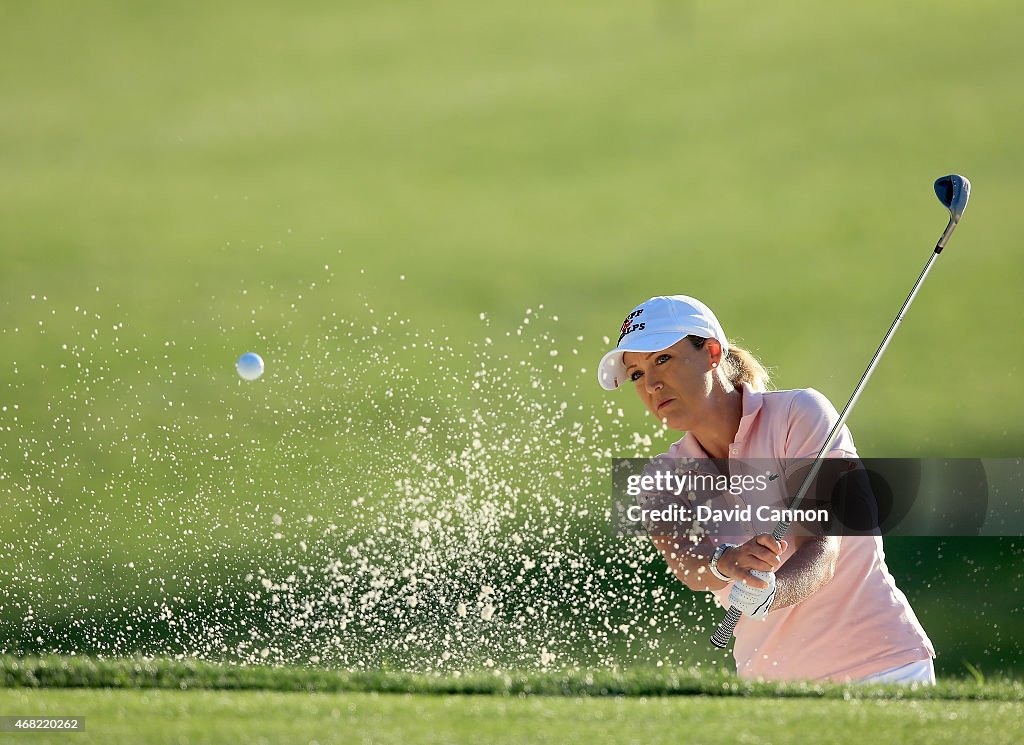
{"x":655,"y":325}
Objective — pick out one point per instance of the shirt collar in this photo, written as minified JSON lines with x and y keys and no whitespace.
{"x":688,"y":447}
{"x":751,"y":407}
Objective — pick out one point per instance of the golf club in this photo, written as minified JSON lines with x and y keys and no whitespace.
{"x":953,"y":191}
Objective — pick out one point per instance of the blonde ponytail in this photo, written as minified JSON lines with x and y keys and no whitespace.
{"x":739,"y":366}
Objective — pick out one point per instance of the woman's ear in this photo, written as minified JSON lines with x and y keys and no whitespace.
{"x":714,"y":351}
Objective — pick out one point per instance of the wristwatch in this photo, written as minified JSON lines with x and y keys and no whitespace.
{"x":713,"y":564}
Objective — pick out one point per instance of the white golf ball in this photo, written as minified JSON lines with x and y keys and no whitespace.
{"x":250,"y":366}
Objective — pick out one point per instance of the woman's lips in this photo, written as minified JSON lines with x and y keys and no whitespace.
{"x":665,"y":402}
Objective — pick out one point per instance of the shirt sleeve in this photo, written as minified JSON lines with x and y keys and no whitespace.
{"x":811,"y":418}
{"x":670,"y":507}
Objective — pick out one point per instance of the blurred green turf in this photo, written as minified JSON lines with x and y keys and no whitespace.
{"x":776,"y":161}
{"x":188,"y":171}
{"x":187,"y":717}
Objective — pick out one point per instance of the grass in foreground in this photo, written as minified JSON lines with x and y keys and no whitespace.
{"x":84,"y":672}
{"x":190,"y":717}
{"x":188,"y":702}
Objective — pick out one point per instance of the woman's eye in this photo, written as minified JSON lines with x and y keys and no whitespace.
{"x":635,"y":375}
{"x":663,"y":358}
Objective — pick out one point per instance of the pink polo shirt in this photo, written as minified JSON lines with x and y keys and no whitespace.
{"x":858,"y":624}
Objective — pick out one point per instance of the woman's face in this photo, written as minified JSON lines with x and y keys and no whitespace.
{"x":674,"y":383}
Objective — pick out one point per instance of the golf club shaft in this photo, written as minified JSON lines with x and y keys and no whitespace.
{"x":725,"y":629}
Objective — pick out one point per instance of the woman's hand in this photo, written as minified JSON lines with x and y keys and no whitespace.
{"x":761,"y":553}
{"x":751,"y":602}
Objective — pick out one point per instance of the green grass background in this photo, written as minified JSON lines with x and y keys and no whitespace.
{"x":188,"y":702}
{"x":177,"y":176}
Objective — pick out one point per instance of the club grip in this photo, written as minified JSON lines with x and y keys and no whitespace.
{"x":724,"y":631}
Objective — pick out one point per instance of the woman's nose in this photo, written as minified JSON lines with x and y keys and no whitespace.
{"x":653,"y":383}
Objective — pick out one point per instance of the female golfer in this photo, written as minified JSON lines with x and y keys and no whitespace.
{"x":819,"y":607}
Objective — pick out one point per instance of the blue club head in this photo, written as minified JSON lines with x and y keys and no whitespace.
{"x":953,"y":191}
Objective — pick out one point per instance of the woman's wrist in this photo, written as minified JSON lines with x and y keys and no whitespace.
{"x":715,"y":563}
